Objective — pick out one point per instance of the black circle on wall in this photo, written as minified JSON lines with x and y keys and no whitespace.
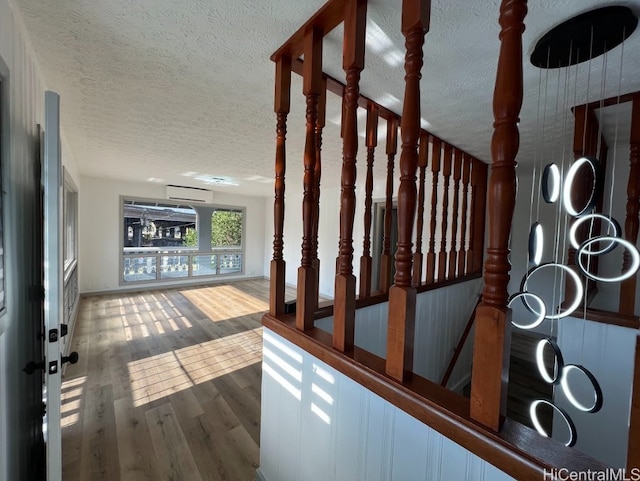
{"x":584,"y":37}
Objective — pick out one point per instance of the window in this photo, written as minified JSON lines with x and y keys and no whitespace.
{"x":70,"y":212}
{"x":226,"y":228}
{"x":162,"y":241}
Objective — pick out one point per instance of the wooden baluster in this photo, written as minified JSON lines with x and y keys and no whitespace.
{"x":478,"y":210}
{"x":344,"y":311}
{"x":628,"y":287}
{"x":422,"y":165}
{"x":466,"y":171}
{"x":490,"y":372}
{"x":386,"y":257}
{"x":453,"y":254}
{"x":402,"y":295}
{"x":312,"y":84}
{"x":365,"y":260}
{"x":317,"y":172}
{"x":442,"y":255}
{"x":435,"y":173}
{"x":281,"y":107}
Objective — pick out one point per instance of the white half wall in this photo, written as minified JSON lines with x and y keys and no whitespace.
{"x":608,"y":352}
{"x":441,"y":316}
{"x":100,"y":226}
{"x":319,"y":425}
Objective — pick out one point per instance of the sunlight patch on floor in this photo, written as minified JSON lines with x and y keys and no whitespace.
{"x":164,"y":374}
{"x":71,"y":400}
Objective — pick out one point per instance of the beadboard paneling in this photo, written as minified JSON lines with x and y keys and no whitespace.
{"x":441,"y":316}
{"x":319,"y":425}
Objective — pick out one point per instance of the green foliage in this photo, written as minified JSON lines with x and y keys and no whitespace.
{"x":226,"y":229}
{"x":190,"y":238}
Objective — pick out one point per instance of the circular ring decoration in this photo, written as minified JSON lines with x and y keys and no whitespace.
{"x":558,"y":361}
{"x":635,"y":258}
{"x":572,"y":274}
{"x":615,"y":227}
{"x":536,"y":244}
{"x":597,"y":391}
{"x":541,"y":314}
{"x":596,"y":190}
{"x":533,"y":413}
{"x":550,"y":174}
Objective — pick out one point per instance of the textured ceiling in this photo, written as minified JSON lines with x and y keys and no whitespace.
{"x":178,"y":92}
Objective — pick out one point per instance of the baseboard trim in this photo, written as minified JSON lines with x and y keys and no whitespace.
{"x":260,"y":476}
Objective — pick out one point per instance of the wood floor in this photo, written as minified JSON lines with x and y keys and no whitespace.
{"x":167,"y":386}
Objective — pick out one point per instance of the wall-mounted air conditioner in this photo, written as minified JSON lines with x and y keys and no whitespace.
{"x":189,"y":194}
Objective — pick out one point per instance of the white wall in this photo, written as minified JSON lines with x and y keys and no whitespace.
{"x":441,"y":316}
{"x":100,"y":227}
{"x":608,"y":352}
{"x":319,"y":425}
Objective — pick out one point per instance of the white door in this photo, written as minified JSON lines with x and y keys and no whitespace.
{"x":53,"y":282}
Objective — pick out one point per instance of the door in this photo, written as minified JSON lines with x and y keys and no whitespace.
{"x":53,"y":283}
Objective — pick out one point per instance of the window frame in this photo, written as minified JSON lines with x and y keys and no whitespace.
{"x":186,"y":251}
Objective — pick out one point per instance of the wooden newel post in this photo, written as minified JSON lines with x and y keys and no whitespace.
{"x":317,"y":171}
{"x":492,"y":337}
{"x":386,"y":257}
{"x":365,"y":260}
{"x":344,"y":310}
{"x":628,"y":287}
{"x":312,"y":84}
{"x":402,"y":295}
{"x":281,"y":107}
{"x":422,"y":166}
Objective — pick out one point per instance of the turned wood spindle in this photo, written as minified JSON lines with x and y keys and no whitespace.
{"x":312,"y":84}
{"x":365,"y":260}
{"x":422,"y":166}
{"x":628,"y":287}
{"x":344,"y":311}
{"x":466,"y":171}
{"x":490,"y":372}
{"x":433,"y":222}
{"x":453,"y":254}
{"x":281,"y":107}
{"x":444,"y":233}
{"x":402,"y":295}
{"x":317,"y":172}
{"x":478,"y":209}
{"x":386,"y":258}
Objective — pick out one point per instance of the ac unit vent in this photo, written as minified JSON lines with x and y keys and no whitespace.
{"x":189,"y":194}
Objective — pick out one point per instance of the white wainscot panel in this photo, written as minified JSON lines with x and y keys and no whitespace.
{"x":441,"y":316}
{"x":319,"y":425}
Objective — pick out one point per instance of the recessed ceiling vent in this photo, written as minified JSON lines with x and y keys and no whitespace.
{"x":189,"y":194}
{"x":584,"y":37}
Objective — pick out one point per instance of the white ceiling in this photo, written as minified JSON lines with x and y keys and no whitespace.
{"x":166,"y":91}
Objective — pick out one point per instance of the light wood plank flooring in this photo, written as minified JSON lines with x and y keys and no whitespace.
{"x":167,"y":386}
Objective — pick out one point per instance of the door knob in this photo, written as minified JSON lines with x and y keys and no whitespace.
{"x":32,"y":366}
{"x":71,"y":358}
